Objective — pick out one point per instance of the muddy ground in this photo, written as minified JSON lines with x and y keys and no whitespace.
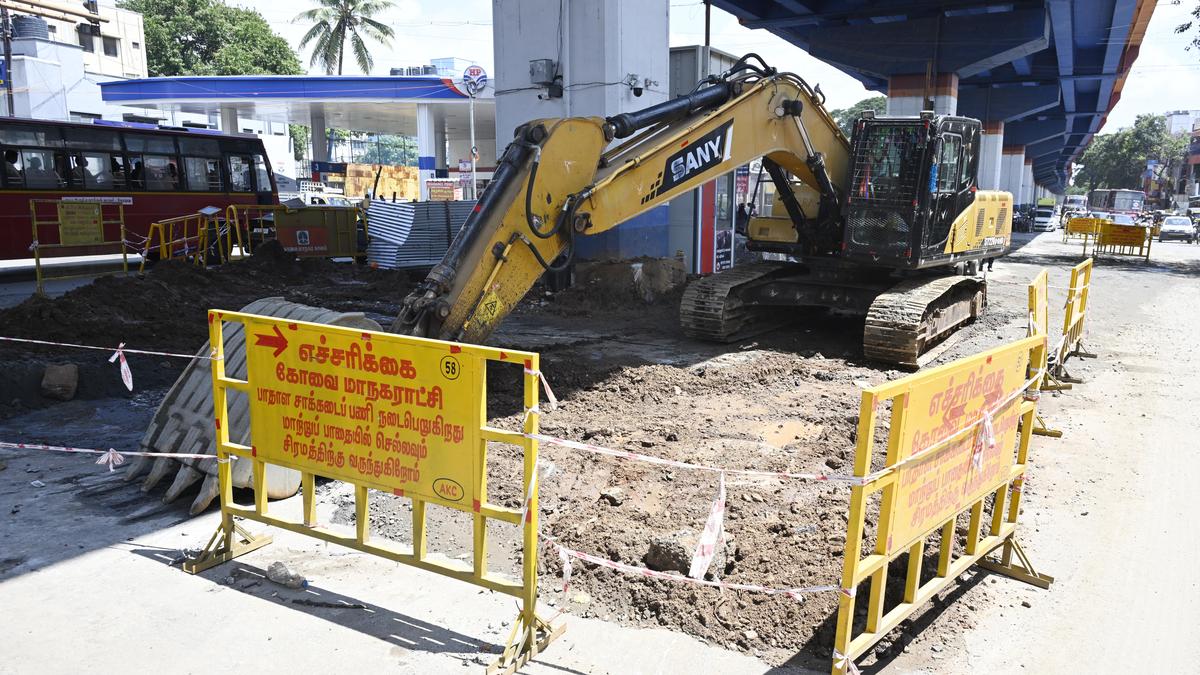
{"x":627,"y":378}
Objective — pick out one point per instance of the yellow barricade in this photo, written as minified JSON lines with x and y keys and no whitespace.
{"x":1074,"y":315}
{"x":1117,"y":239}
{"x":1039,"y":326}
{"x":186,"y":237}
{"x":385,"y":412}
{"x":307,"y":232}
{"x":958,"y":442}
{"x":1082,"y":228}
{"x":65,"y":228}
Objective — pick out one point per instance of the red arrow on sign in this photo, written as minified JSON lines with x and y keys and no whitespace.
{"x":278,"y":341}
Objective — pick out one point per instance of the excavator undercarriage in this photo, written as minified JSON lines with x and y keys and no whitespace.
{"x":904,"y":319}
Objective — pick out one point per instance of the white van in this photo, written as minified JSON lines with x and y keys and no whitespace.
{"x":1043,"y":219}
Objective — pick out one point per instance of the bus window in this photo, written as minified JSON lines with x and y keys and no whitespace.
{"x":203,"y":174}
{"x":200,"y":147}
{"x":42,"y":169}
{"x":13,"y":175}
{"x":156,"y":172}
{"x":29,"y":135}
{"x":94,"y":139}
{"x":144,"y":143}
{"x":92,"y":170}
{"x":239,"y":174}
{"x":119,"y":170}
{"x":262,"y":177}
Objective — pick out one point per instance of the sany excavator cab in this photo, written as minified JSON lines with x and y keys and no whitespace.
{"x":912,"y":180}
{"x":890,"y":227}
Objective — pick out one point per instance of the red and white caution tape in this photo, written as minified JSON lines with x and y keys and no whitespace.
{"x":845,"y":664}
{"x":706,"y":548}
{"x":119,"y":354}
{"x":212,"y":356}
{"x":110,"y":457}
{"x":566,"y":567}
{"x":126,"y":374}
{"x":796,"y":593}
{"x":551,"y":399}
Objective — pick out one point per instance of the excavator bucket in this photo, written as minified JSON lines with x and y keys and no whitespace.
{"x":183,"y":422}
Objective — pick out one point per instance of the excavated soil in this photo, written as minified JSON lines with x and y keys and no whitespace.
{"x":165,"y":310}
{"x":627,"y":378}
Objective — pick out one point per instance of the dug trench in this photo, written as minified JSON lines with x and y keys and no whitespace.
{"x":627,"y":379}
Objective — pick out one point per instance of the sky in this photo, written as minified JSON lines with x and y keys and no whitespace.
{"x":1165,"y":76}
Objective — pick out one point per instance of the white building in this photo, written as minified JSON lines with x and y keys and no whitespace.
{"x":115,"y":48}
{"x":1182,"y":121}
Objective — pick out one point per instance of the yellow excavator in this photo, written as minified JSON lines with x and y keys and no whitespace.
{"x":890,"y":226}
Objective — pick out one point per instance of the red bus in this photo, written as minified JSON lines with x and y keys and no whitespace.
{"x":155,"y":172}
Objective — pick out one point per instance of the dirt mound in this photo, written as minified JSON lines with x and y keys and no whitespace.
{"x":166,"y":309}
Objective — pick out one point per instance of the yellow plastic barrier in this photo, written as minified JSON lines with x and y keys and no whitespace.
{"x":184,"y":237}
{"x":1133,"y":240}
{"x":1074,"y":316}
{"x":75,"y":227}
{"x":309,"y":231}
{"x":385,"y":412}
{"x":958,"y":441}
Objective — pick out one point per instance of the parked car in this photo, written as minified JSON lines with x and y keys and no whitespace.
{"x":1177,"y":227}
{"x":1044,"y":219}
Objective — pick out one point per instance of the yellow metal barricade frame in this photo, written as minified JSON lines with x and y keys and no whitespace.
{"x":530,"y":633}
{"x":169,"y":245}
{"x":1074,"y":317}
{"x":37,"y":222}
{"x":1039,"y":325}
{"x":1115,"y":239}
{"x":1005,"y":497}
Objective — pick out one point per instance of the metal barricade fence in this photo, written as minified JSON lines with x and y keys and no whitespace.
{"x":386,"y":412}
{"x":958,"y":442}
{"x":186,"y":237}
{"x":75,"y":226}
{"x":1131,"y":240}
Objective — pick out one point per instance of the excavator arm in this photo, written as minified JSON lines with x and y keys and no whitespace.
{"x":556,"y":181}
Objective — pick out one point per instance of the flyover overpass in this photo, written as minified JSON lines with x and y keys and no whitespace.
{"x":1042,"y":75}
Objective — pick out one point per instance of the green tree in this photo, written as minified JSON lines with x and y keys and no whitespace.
{"x":300,"y":137}
{"x":845,"y":117}
{"x":207,"y":37}
{"x":1118,"y":160}
{"x":388,"y":149}
{"x":336,"y":20}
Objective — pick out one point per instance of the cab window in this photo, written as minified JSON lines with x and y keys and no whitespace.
{"x":948,"y":163}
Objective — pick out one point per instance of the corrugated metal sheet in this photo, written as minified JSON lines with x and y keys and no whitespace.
{"x":413,"y":235}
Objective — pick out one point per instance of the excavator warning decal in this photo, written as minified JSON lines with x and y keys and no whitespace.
{"x":695,"y":158}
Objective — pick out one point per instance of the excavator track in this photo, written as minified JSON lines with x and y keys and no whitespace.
{"x":711,"y":309}
{"x":916,"y":316}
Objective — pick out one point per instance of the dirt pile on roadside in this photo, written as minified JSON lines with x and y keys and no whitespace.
{"x":166,"y":309}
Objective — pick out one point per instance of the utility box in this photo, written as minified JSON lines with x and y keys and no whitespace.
{"x":542,"y":72}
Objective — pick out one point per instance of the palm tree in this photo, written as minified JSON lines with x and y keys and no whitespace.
{"x":333,"y":21}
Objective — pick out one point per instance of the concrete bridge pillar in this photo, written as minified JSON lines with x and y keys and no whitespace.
{"x":908,"y":95}
{"x":991,"y":155}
